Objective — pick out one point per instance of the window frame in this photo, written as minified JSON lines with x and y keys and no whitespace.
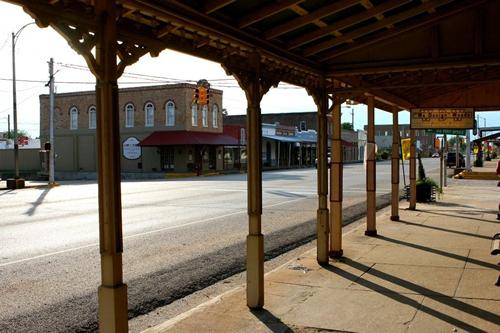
{"x":194,"y":115}
{"x":215,"y":116}
{"x":146,"y":110}
{"x":92,"y":115}
{"x":167,"y":115}
{"x":204,"y":115}
{"x":129,"y":120}
{"x":73,"y":111}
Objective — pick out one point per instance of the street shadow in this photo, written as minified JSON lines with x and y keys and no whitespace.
{"x":458,"y":216}
{"x":34,"y":205}
{"x":286,"y":194}
{"x":401,"y":298}
{"x":444,"y":229}
{"x":273,"y":323}
{"x":4,"y":192}
{"x":439,"y":252}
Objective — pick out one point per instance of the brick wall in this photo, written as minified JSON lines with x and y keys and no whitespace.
{"x":180,"y":94}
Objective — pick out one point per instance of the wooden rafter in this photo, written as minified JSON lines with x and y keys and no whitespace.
{"x":421,"y":24}
{"x":267,"y":11}
{"x":309,"y":18}
{"x":345,"y":23}
{"x":413,"y":65}
{"x":368,"y":29}
{"x":214,"y":5}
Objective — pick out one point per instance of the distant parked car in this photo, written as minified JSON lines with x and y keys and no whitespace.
{"x":435,"y":155}
{"x":329,"y":160}
{"x":451,"y":160}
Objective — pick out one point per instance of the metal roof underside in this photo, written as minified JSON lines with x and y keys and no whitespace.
{"x":408,"y":53}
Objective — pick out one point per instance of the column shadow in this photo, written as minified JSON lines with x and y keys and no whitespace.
{"x":440,"y":252}
{"x":444,"y":229}
{"x":273,"y":323}
{"x":459,"y":216}
{"x":401,"y":298}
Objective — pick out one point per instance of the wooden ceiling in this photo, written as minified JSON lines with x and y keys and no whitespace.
{"x":407,"y":53}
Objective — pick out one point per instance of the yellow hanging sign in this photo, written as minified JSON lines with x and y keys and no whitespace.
{"x":405,"y":148}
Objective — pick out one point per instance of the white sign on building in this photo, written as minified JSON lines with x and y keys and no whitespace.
{"x":131,"y":148}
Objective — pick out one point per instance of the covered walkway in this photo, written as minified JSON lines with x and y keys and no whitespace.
{"x":429,"y":272}
{"x":393,"y":55}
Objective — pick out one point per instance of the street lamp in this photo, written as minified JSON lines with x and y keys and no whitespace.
{"x":17,"y":182}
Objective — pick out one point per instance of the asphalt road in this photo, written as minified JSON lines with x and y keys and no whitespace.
{"x":179,"y":236}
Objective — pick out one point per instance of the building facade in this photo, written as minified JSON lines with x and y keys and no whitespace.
{"x":383,"y":138}
{"x":162,"y":128}
{"x":303,"y":122}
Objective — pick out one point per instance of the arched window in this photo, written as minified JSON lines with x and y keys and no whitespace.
{"x":129,"y":115}
{"x":194,"y":115}
{"x":204,"y":115}
{"x":170,"y":113}
{"x":215,"y":116}
{"x":149,"y":111}
{"x":73,"y":115}
{"x":92,"y":117}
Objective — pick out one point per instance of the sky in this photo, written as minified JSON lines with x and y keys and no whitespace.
{"x":35,"y":46}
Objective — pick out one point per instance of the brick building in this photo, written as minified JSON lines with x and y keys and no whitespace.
{"x":161,"y":128}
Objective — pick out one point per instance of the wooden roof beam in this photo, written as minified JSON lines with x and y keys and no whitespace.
{"x":421,"y":24}
{"x":345,"y":23}
{"x":368,"y":4}
{"x":267,"y":11}
{"x":373,"y":27}
{"x":214,"y":5}
{"x":395,"y":66}
{"x":309,"y":18}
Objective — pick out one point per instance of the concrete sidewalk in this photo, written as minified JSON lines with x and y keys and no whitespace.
{"x":430,"y":272}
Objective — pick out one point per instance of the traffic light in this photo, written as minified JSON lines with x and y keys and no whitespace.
{"x":208,"y":96}
{"x":474,"y":129}
{"x":202,"y":96}
{"x":196,"y":96}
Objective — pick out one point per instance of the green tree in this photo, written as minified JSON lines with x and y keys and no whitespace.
{"x":347,"y":126}
{"x":20,"y":132}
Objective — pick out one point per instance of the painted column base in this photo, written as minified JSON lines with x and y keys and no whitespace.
{"x":395,"y":218}
{"x":336,"y":254}
{"x":322,"y":234}
{"x":113,"y":309}
{"x":255,"y":271}
{"x":370,"y":232}
{"x":15,"y":183}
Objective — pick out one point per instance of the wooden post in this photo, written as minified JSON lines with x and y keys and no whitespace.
{"x":322,"y":229}
{"x":254,"y":87}
{"x":112,"y":294}
{"x":445,"y":166}
{"x":336,"y":185}
{"x":371,"y":200}
{"x":395,"y":166}
{"x":413,"y":172}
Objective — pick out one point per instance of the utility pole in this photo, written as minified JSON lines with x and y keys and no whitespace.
{"x":51,"y":122}
{"x":445,"y":154}
{"x":17,"y":182}
{"x":14,"y":107}
{"x":352,"y":116}
{"x":8,"y":125}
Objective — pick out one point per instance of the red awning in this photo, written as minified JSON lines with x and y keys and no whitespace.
{"x":174,"y":138}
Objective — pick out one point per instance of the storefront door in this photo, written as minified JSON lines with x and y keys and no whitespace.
{"x":167,"y":158}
